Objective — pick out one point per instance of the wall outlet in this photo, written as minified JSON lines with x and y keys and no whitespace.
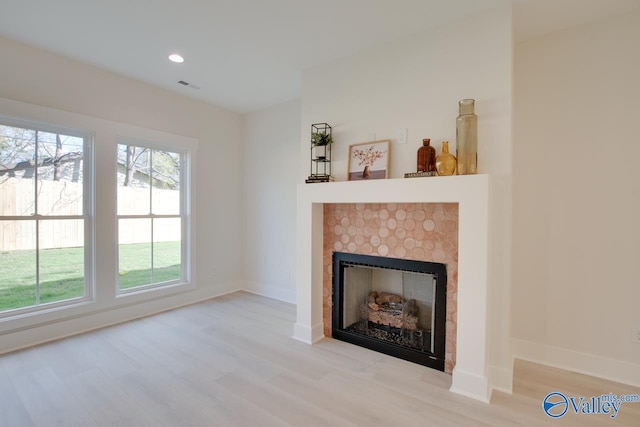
{"x":401,"y":137}
{"x":635,"y":334}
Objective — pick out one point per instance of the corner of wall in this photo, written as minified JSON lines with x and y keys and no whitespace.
{"x":584,"y":363}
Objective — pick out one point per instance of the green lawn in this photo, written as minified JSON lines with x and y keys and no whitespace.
{"x":61,"y":272}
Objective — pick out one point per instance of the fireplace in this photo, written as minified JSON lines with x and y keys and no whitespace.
{"x":478,"y":360}
{"x":394,"y":306}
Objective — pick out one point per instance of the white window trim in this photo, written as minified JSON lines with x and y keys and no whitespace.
{"x":187,"y":179}
{"x":107,"y":308}
{"x":87,"y":216}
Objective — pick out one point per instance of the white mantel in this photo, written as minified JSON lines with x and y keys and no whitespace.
{"x":472,"y":193}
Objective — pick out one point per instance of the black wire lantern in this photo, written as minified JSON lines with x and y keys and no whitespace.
{"x":320,"y":163}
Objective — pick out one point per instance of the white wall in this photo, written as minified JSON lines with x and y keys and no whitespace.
{"x":270,"y":172}
{"x":78,"y":93}
{"x":415,"y":83}
{"x":576,"y":246}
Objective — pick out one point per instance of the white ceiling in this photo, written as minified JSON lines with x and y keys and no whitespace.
{"x":246,"y":55}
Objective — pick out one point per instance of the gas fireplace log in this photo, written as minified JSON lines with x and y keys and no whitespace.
{"x":395,"y":321}
{"x":386,"y":297}
{"x":390,"y":310}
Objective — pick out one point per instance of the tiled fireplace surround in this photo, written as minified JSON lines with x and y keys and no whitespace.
{"x":411,"y":219}
{"x":417,"y":231}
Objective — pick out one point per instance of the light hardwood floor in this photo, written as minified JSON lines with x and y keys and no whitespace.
{"x":231,"y":361}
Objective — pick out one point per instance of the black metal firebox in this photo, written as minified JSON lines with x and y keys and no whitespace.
{"x":394,"y":306}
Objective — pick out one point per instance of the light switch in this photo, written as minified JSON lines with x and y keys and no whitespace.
{"x":401,"y":136}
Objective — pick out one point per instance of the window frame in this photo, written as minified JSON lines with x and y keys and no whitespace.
{"x":88,"y":217}
{"x":186,"y":262}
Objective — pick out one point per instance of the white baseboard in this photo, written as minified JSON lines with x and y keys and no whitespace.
{"x":501,"y":379}
{"x":308,"y":335}
{"x":55,"y":330}
{"x":304,"y":333}
{"x":470,"y":385}
{"x":270,"y":291}
{"x":584,"y":363}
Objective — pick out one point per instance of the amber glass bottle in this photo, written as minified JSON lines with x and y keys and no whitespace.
{"x":445,"y":162}
{"x":426,"y":157}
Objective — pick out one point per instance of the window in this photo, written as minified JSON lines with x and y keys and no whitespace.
{"x":45,"y":217}
{"x":151,"y":216}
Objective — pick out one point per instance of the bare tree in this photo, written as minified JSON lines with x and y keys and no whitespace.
{"x":16,"y":145}
{"x":166,"y":169}
{"x":129,"y":165}
{"x":134,"y":160}
{"x":57,"y":159}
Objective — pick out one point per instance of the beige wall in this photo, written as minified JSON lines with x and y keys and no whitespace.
{"x":269,"y":178}
{"x":79,"y":93}
{"x":576,"y":259}
{"x":415,"y":83}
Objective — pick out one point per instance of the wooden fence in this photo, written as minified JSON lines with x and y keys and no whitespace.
{"x":65,"y":198}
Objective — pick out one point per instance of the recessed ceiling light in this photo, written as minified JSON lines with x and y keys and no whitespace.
{"x":174,"y":57}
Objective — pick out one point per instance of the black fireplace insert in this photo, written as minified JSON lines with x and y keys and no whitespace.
{"x":394,"y":306}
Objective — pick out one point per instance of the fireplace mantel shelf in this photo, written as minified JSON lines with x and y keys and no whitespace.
{"x":472,"y":193}
{"x":439,"y":189}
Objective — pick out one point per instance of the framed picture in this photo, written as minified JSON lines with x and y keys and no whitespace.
{"x":369,"y":160}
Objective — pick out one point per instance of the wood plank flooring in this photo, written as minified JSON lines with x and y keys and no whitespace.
{"x":231,"y":361}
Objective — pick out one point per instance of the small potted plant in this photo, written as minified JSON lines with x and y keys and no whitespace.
{"x":319,"y":139}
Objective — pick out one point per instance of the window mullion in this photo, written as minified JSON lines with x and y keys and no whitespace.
{"x":152,"y":251}
{"x":151,"y":209}
{"x":37,"y":262}
{"x":166,"y":216}
{"x":36,"y":214}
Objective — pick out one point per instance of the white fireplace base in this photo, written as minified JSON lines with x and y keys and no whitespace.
{"x":472,"y":193}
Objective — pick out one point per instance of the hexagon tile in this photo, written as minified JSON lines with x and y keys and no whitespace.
{"x":417,"y":231}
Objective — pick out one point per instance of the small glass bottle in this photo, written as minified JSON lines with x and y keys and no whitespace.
{"x":445,"y":162}
{"x":426,"y":157}
{"x":467,"y":138}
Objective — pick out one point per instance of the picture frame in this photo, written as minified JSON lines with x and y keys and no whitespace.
{"x":369,"y":160}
